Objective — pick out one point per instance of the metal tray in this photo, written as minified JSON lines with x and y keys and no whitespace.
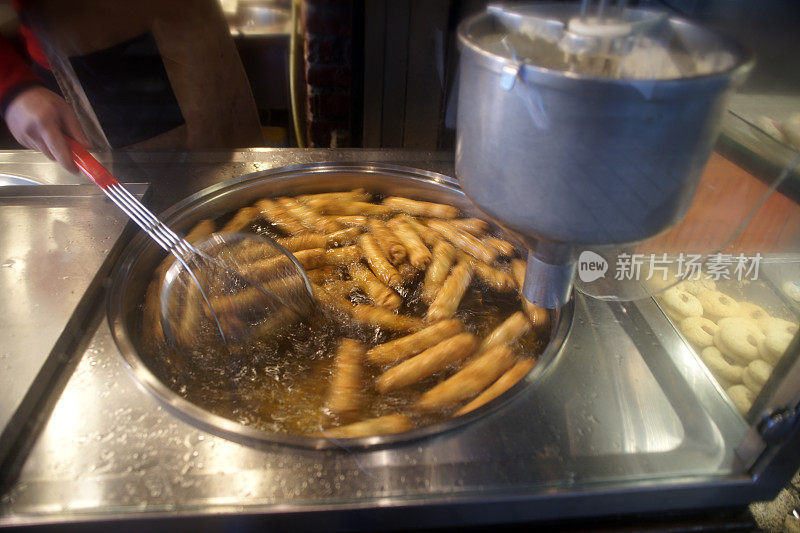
{"x":50,"y":275}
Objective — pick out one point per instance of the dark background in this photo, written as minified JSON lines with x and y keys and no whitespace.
{"x":381,"y":73}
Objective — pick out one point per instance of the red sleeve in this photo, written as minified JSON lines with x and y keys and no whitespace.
{"x":31,"y":42}
{"x":15,"y":74}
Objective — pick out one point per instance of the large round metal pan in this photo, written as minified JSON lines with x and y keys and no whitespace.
{"x":142,"y":255}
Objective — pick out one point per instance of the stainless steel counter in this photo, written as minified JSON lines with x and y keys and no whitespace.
{"x":54,"y":253}
{"x":626,"y":421}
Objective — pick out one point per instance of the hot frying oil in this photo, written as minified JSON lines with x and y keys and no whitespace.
{"x":281,"y":383}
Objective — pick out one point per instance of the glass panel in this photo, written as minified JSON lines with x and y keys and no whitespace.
{"x":734,"y":216}
{"x":739,"y":311}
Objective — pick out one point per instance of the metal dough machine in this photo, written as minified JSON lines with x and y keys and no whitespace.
{"x":586,"y":126}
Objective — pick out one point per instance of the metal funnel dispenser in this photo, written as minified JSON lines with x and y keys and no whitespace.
{"x":574,"y":137}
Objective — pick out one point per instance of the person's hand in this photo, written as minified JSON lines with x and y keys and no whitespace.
{"x":39,"y":119}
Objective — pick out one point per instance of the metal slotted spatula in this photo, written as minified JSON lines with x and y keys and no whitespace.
{"x":235,"y":286}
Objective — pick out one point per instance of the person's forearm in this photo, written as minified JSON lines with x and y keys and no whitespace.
{"x":40,"y":119}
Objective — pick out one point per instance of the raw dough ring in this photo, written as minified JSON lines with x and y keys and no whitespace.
{"x":774,"y":345}
{"x":755,"y":375}
{"x":717,"y":305}
{"x":693,"y":286}
{"x":740,"y":322}
{"x":778,"y":334}
{"x":698,"y":330}
{"x":742,"y":398}
{"x":721,"y":368}
{"x":740,"y":344}
{"x":752,"y":311}
{"x":770,"y":324}
{"x":682,"y":303}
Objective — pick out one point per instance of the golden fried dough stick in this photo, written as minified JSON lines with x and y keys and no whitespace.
{"x":345,"y":397}
{"x":381,"y":266}
{"x":407,"y":272}
{"x":469,"y":381}
{"x":469,"y":243}
{"x":427,"y":363}
{"x":539,"y":317}
{"x":340,"y":287}
{"x":379,"y":293}
{"x":354,"y":221}
{"x":385,"y":319}
{"x":253,"y":296}
{"x":429,"y":236}
{"x":313,"y":258}
{"x":418,"y":254}
{"x":449,"y":297}
{"x":338,"y":207}
{"x":505,"y":248}
{"x":495,"y":278}
{"x":503,"y":383}
{"x":343,"y":256}
{"x":383,"y":425}
{"x":319,"y":240}
{"x":404,"y":347}
{"x":231,"y":302}
{"x":272,"y":324}
{"x":264,"y":297}
{"x":421,"y":209}
{"x":323,"y":274}
{"x":475,"y":226}
{"x":266,"y":268}
{"x":188,"y":325}
{"x":343,"y":237}
{"x":442,"y":259}
{"x":254,"y":299}
{"x":308,"y":217}
{"x":276,"y":214}
{"x":201,"y":231}
{"x":332,"y":301}
{"x":510,"y":331}
{"x":242,"y":218}
{"x":392,"y":248}
{"x":249,"y":251}
{"x":263,"y":268}
{"x":356,"y":195}
{"x":303,"y":242}
{"x":151,"y":315}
